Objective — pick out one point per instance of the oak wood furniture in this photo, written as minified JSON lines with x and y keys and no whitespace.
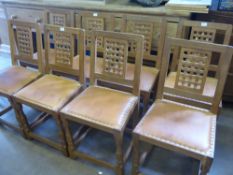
{"x":64,"y":60}
{"x":202,"y":31}
{"x":60,"y":17}
{"x":177,"y":126}
{"x":154,"y":31}
{"x":70,"y":12}
{"x":205,"y":32}
{"x":221,"y":17}
{"x":32,"y":63}
{"x":16,"y":77}
{"x":67,"y":10}
{"x":152,"y":28}
{"x":91,"y":21}
{"x":103,"y":108}
{"x":50,"y":93}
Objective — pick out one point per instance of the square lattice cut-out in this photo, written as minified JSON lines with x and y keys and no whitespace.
{"x":24,"y":40}
{"x":64,"y":48}
{"x":203,"y":34}
{"x":141,"y":28}
{"x":58,"y":19}
{"x":92,"y":24}
{"x":115,"y":57}
{"x":192,"y":69}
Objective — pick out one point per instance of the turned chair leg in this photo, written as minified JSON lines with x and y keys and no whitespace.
{"x":136,"y":156}
{"x":206,"y":165}
{"x":119,"y":153}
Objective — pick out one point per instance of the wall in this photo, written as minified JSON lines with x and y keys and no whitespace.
{"x":3,"y":29}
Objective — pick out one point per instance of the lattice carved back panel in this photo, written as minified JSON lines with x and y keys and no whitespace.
{"x":203,"y":34}
{"x":58,"y":19}
{"x":142,"y":28}
{"x":192,"y":70}
{"x":115,"y":57}
{"x":91,"y":24}
{"x":64,"y":48}
{"x":24,"y":41}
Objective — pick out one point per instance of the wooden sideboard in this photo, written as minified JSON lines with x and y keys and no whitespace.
{"x":66,"y":11}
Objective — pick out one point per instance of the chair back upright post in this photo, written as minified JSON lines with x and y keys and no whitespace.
{"x":22,"y":43}
{"x":193,"y":68}
{"x":153,"y":29}
{"x":204,"y":32}
{"x":63,"y":57}
{"x":115,"y":56}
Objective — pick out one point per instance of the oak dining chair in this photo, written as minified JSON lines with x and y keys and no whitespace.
{"x":211,"y":32}
{"x":59,"y":17}
{"x":16,"y":77}
{"x":179,"y":127}
{"x":63,"y":57}
{"x":205,"y":32}
{"x":50,"y":93}
{"x":92,"y":21}
{"x":32,"y":63}
{"x":103,"y":108}
{"x":154,"y":31}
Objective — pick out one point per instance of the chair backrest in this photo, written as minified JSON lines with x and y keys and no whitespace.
{"x":26,"y":43}
{"x":154,"y":31}
{"x":60,"y":17}
{"x":202,"y":31}
{"x":91,"y":21}
{"x":115,"y":56}
{"x":67,"y":54}
{"x":192,"y":70}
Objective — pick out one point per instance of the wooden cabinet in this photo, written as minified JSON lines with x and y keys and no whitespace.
{"x":67,"y":16}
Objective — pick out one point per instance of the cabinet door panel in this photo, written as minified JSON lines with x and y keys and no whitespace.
{"x":25,"y":14}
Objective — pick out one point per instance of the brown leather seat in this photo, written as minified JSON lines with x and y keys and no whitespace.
{"x":14,"y":78}
{"x":209,"y":89}
{"x":148,"y":78}
{"x":50,"y":92}
{"x":102,"y":106}
{"x":179,"y":125}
